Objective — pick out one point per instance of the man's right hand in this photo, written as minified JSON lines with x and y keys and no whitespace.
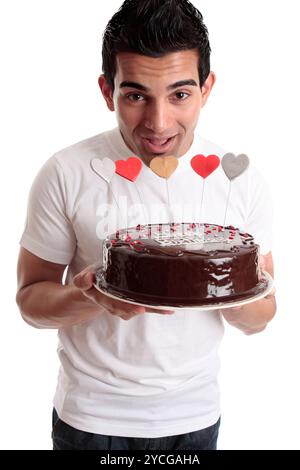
{"x":85,"y":282}
{"x":45,"y":302}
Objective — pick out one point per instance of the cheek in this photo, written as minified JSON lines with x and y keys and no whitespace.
{"x":129,"y":115}
{"x":190,"y":114}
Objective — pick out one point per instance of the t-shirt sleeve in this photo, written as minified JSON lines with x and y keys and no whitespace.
{"x":260,"y":211}
{"x":48,"y":232}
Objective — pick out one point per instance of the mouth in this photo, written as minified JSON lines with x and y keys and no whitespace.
{"x":158,"y":145}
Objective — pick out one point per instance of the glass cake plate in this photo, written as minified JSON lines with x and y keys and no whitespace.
{"x":263,"y":288}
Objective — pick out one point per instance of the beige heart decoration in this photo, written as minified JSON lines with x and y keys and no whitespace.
{"x":164,"y":166}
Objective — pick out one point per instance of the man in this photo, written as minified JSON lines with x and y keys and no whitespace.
{"x":149,"y":382}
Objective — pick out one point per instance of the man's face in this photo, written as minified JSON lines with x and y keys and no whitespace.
{"x":157,"y":102}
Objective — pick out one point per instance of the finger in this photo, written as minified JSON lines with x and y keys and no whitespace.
{"x":271,"y":294}
{"x":84,"y":281}
{"x":118,"y":307}
{"x":262,"y":262}
{"x":89,"y":279}
{"x":141,"y":309}
{"x":77,"y":280}
{"x":130,"y":307}
{"x":160,"y":311}
{"x":85,"y":278}
{"x":127,"y":317}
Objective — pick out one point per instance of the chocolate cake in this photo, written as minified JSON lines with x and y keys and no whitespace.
{"x":180,"y":265}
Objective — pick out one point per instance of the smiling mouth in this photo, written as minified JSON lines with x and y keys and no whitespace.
{"x":158,"y":145}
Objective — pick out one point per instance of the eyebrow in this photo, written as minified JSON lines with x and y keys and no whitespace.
{"x":140,"y":87}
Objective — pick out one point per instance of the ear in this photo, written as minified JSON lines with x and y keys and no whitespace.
{"x":207,"y":87}
{"x":106,"y":92}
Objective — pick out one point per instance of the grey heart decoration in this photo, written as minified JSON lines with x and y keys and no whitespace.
{"x":104,"y":168}
{"x":234,"y":166}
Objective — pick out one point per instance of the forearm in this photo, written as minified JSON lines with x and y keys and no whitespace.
{"x":252,"y":318}
{"x":52,"y":305}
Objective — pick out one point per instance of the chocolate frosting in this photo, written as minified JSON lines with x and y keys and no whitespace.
{"x":181,"y":264}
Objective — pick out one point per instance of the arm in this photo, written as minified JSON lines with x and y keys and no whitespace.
{"x":254,"y":317}
{"x":44,"y":302}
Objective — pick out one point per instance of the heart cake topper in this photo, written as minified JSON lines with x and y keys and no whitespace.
{"x":104,"y":168}
{"x":204,"y":166}
{"x":234,"y":166}
{"x":164,"y":166}
{"x":129,"y":169}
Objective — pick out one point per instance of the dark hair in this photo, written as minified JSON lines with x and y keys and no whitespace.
{"x":155,"y":28}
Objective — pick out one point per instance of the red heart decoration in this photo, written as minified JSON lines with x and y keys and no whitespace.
{"x":204,"y":166}
{"x":129,"y":169}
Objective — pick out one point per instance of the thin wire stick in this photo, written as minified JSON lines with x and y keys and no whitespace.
{"x":118,"y":207}
{"x":168,"y":199}
{"x":227,"y":203}
{"x":144,"y":211}
{"x":202,"y":200}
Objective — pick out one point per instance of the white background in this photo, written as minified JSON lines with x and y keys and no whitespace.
{"x":50,"y":62}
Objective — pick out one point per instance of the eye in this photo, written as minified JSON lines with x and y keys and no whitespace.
{"x":182,"y":95}
{"x":134,"y":97}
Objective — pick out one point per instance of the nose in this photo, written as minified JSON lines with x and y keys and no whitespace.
{"x":158,"y":117}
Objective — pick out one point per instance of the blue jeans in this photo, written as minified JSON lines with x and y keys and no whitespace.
{"x":66,"y":437}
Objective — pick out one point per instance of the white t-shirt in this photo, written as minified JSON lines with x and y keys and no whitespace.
{"x":154,"y":375}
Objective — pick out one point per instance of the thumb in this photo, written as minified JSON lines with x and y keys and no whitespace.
{"x":84,"y":280}
{"x":262,"y":262}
